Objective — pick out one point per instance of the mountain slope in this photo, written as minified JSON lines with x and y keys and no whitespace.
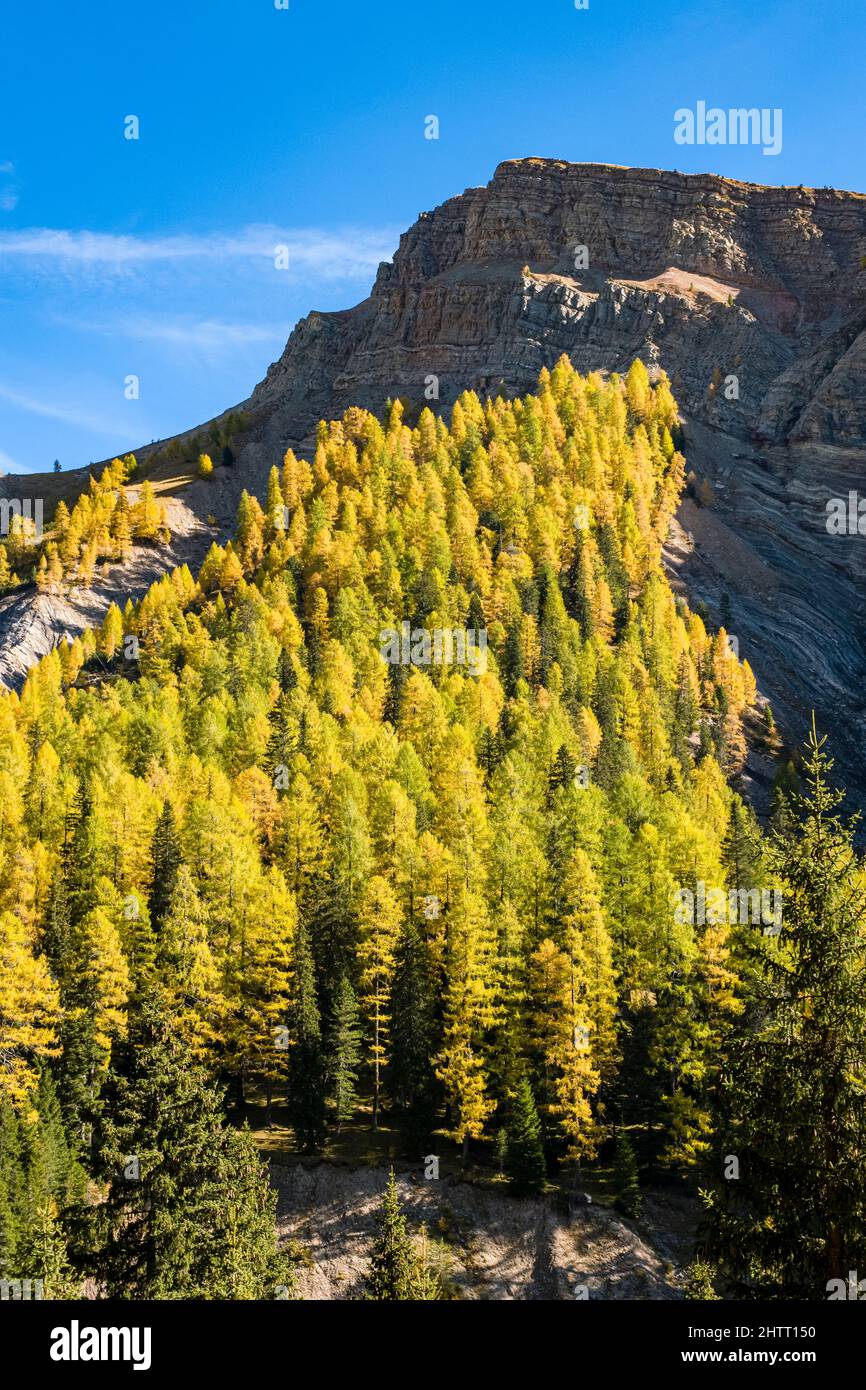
{"x":390,"y":814}
{"x":703,"y":276}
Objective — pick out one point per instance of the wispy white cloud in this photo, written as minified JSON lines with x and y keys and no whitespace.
{"x":210,"y":335}
{"x":345,"y":253}
{"x":197,"y":316}
{"x":9,"y":465}
{"x":68,"y":414}
{"x":8,"y":195}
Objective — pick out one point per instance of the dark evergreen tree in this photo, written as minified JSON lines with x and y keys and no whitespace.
{"x":414,"y":1033}
{"x":307,"y":1087}
{"x":57,"y":926}
{"x":398,"y":674}
{"x":625,"y":1177}
{"x":286,"y":674}
{"x":396,"y":1272}
{"x":282,"y":743}
{"x":513,"y":666}
{"x":552,"y":622}
{"x":188,"y":1211}
{"x":80,"y":1067}
{"x":65,"y":945}
{"x":524,"y":1151}
{"x":477,"y":621}
{"x":638,"y":1091}
{"x":739,"y":848}
{"x":344,"y":1053}
{"x":63,"y":1179}
{"x":79,"y":855}
{"x":562,"y":772}
{"x":725,"y":611}
{"x":39,"y":1179}
{"x":164,"y":863}
{"x":13,"y":1191}
{"x":787,"y":1208}
{"x":489,"y":753}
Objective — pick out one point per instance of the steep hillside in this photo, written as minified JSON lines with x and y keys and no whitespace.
{"x":413,"y":814}
{"x":387,"y":810}
{"x":702,"y":276}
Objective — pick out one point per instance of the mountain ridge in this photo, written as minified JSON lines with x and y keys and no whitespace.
{"x":704,"y":277}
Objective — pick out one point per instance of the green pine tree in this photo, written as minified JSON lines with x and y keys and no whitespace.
{"x":739,"y":848}
{"x":64,"y":1178}
{"x":306,"y":1060}
{"x":524,"y":1151}
{"x":412,"y":1079}
{"x":282,"y":742}
{"x":56,"y":930}
{"x":397,"y":1273}
{"x":787,"y":1205}
{"x":13,"y":1191}
{"x":625,"y":1177}
{"x":165,"y":862}
{"x":188,"y":1211}
{"x":344,"y":1053}
{"x":39,"y":1179}
{"x":43,"y":1255}
{"x":79,"y":855}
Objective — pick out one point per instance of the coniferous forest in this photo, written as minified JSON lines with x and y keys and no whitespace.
{"x":420,"y":811}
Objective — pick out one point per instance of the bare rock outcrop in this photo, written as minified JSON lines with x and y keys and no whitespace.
{"x":696,"y":272}
{"x":489,"y":1245}
{"x":31,"y":623}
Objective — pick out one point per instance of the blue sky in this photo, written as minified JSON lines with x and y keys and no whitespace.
{"x":305,"y":127}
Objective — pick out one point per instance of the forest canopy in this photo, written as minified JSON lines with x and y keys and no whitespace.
{"x":298,"y":828}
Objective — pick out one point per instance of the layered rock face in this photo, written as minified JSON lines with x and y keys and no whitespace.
{"x":702,"y":274}
{"x":753,"y":299}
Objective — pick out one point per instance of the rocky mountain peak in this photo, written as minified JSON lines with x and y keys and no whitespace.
{"x":703,"y":275}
